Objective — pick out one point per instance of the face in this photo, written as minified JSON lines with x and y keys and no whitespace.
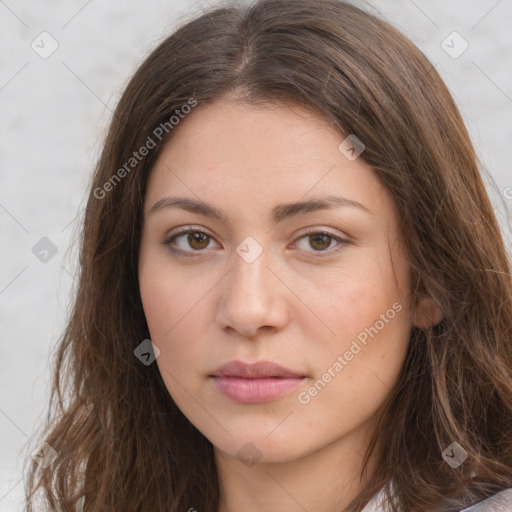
{"x":322,"y":292}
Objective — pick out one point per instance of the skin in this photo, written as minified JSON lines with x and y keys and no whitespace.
{"x":291,"y":305}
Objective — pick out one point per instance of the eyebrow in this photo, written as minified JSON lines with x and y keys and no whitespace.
{"x":279,"y":212}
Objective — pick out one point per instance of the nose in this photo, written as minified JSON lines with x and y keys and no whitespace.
{"x":253,"y":298}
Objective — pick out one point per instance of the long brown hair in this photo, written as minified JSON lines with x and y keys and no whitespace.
{"x":121,"y":442}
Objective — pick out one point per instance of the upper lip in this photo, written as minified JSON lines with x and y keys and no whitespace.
{"x":257,"y":370}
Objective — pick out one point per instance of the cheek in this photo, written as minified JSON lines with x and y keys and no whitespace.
{"x":170,"y":311}
{"x":169,"y":295}
{"x":369,"y":318}
{"x":166,"y":304}
{"x":349,"y":302}
{"x":172,"y":305}
{"x":356,"y":368}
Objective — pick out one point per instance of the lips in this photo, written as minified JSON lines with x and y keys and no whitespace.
{"x":252,"y":383}
{"x":257,"y":370}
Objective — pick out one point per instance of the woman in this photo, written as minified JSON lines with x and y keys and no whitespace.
{"x":294,"y":292}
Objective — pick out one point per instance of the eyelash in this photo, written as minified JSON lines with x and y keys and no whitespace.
{"x":312,"y":231}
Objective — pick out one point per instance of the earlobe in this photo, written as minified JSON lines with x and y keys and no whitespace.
{"x":427,"y":313}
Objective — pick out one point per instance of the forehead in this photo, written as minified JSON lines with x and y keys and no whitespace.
{"x":285,"y":131}
{"x":259,"y":155}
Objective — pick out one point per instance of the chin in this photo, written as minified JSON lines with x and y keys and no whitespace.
{"x":258,"y":446}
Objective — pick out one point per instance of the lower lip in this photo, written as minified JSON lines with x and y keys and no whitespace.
{"x":252,"y":391}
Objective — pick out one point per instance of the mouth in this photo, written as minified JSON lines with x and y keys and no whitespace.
{"x":252,"y":383}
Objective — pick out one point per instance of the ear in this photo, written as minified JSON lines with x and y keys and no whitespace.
{"x":427,"y":313}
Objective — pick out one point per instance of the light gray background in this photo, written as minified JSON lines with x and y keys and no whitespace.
{"x":54,"y":113}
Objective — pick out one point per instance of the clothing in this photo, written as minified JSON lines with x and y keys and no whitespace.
{"x":501,"y":502}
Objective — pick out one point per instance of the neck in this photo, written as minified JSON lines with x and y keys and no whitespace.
{"x":326,"y":480}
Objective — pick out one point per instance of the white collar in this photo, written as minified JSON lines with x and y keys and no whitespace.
{"x":500,"y":502}
{"x":375,"y":505}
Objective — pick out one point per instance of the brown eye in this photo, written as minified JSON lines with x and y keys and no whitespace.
{"x":188,"y":242}
{"x":320,"y":241}
{"x":197,"y":239}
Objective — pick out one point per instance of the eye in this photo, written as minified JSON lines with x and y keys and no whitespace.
{"x":194,"y":238}
{"x":320,"y":241}
{"x":197,"y":240}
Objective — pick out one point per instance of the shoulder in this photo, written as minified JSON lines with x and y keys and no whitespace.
{"x":376,"y":504}
{"x":500,"y":502}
